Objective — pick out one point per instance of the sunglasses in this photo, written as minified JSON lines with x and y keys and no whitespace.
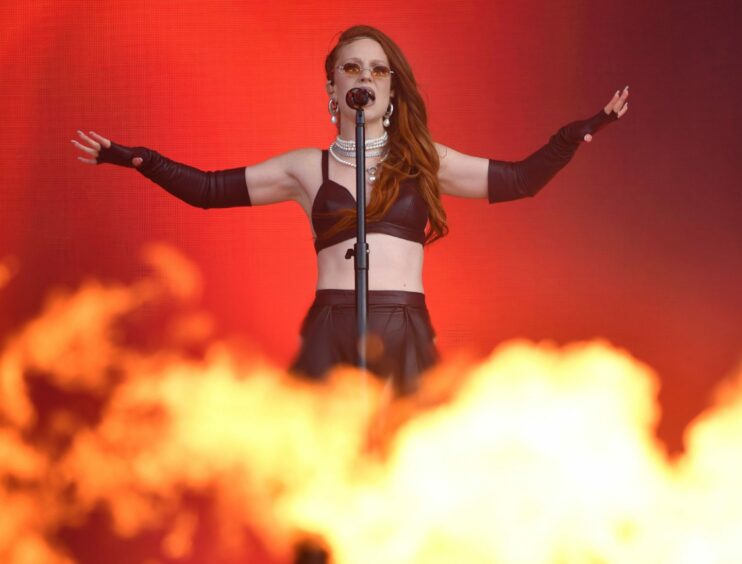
{"x":377,"y":71}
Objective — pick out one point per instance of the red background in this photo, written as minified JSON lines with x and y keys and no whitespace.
{"x":637,"y":240}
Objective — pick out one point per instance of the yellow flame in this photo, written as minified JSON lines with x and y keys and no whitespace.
{"x":538,"y":454}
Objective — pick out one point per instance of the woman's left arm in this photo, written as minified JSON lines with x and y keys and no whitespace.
{"x":499,"y":181}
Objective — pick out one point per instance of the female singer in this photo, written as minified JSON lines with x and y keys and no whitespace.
{"x":406,"y":174}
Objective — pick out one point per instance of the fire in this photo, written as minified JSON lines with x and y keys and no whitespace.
{"x":538,"y":454}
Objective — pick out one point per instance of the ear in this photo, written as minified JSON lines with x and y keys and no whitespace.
{"x":330,"y":88}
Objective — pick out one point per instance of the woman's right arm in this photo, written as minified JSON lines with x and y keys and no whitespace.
{"x":272,"y":181}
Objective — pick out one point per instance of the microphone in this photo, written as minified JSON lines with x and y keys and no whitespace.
{"x":359,"y":97}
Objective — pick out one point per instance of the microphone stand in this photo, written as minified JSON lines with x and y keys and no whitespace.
{"x":357,"y":98}
{"x":360,"y":248}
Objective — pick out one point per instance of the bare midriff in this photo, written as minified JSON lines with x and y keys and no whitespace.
{"x":394,"y":264}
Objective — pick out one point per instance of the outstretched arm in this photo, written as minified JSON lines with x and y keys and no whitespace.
{"x":269,"y":182}
{"x":499,"y":181}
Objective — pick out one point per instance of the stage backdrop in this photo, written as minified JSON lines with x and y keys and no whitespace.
{"x":636,"y":241}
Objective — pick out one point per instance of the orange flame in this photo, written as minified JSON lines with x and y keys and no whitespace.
{"x":538,"y":454}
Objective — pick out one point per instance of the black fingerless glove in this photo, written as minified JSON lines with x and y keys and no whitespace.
{"x":220,"y":189}
{"x":515,"y":180}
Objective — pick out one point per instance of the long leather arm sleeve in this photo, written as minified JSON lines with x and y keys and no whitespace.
{"x":219,"y":189}
{"x":514,"y":180}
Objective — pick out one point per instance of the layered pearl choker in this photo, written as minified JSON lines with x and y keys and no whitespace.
{"x":342,"y":149}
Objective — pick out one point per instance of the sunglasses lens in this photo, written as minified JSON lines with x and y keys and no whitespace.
{"x":377,"y":71}
{"x":352,"y":68}
{"x":380,"y":71}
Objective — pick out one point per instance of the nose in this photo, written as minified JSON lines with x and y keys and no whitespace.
{"x":366,"y":74}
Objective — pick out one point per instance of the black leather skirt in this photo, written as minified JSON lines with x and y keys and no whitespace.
{"x":400,"y":336}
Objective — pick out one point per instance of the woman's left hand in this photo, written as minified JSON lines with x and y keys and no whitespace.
{"x":617,"y":104}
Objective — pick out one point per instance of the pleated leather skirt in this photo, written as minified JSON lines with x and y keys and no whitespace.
{"x":400,"y":336}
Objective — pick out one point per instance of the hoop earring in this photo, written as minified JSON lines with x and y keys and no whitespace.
{"x":388,"y":114}
{"x":332,"y":107}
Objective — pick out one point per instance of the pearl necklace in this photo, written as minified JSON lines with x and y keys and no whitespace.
{"x":350,"y":144}
{"x":374,"y":148}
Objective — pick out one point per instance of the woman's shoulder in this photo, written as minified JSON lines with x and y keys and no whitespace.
{"x":301,"y":155}
{"x":305,"y":152}
{"x":301,"y":161}
{"x":298,"y":161}
{"x":304,"y":166}
{"x":294,"y":163}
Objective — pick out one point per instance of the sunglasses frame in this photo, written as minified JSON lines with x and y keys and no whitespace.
{"x":362,"y":68}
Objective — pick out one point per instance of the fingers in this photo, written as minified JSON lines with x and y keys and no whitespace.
{"x":82,"y":147}
{"x":93,"y":152}
{"x":617,"y":102}
{"x":93,"y":147}
{"x":620,"y":106}
{"x":106,"y":142}
{"x":609,"y":106}
{"x":92,"y":143}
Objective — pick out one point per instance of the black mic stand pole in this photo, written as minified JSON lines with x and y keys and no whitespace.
{"x":360,"y":249}
{"x":357,"y":98}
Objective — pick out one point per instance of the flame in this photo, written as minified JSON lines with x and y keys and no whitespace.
{"x":8,"y":269}
{"x":537,"y":454}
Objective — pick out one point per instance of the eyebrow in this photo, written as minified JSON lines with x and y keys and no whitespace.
{"x":372,"y":61}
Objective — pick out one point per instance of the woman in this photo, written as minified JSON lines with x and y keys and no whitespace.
{"x":406,"y":175}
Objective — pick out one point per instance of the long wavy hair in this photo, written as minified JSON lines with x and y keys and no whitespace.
{"x":411,"y":152}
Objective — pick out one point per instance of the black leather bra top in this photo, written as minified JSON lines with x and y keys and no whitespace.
{"x":406,"y":219}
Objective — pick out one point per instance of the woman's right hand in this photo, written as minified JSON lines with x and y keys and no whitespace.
{"x":95,"y":146}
